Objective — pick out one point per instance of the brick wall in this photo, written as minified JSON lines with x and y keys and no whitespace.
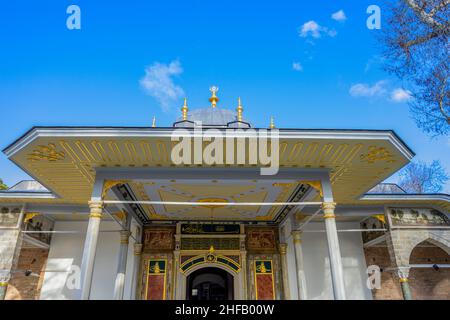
{"x":23,"y":287}
{"x":429,"y":283}
{"x":425,"y":283}
{"x":390,"y":287}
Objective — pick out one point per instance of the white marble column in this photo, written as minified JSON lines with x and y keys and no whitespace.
{"x":90,"y":247}
{"x":136,"y":268}
{"x":337,"y":273}
{"x":301,"y":280}
{"x":284,"y":271}
{"x":119,"y":284}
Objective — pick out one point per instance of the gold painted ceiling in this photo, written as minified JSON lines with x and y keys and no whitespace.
{"x":210,"y":191}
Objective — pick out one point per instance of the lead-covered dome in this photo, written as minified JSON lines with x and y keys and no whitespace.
{"x":212,"y":116}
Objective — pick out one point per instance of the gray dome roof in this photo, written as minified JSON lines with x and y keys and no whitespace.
{"x":211,"y":117}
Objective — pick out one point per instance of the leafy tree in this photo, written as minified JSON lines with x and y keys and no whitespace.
{"x":419,"y":177}
{"x":2,"y":185}
{"x":416,"y":49}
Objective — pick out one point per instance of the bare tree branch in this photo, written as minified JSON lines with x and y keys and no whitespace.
{"x":441,"y":100}
{"x":423,"y":16}
{"x":439,"y":7}
{"x":416,"y":49}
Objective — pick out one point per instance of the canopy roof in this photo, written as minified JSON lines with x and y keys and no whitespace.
{"x":64,"y":159}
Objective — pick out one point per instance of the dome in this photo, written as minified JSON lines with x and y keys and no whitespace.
{"x":212,"y":116}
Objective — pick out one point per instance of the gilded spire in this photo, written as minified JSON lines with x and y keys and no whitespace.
{"x":272,"y":123}
{"x":184,"y":109}
{"x":154,"y":122}
{"x":214,"y":99}
{"x":239,"y":110}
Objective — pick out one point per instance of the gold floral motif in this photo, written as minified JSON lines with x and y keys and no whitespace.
{"x":377,"y":154}
{"x":48,"y":153}
{"x":212,"y":201}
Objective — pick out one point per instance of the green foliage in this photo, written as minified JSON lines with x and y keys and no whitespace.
{"x":2,"y":185}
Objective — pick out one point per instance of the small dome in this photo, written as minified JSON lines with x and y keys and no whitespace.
{"x":212,"y":116}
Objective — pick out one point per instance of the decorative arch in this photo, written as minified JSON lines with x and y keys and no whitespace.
{"x":201,"y":261}
{"x":436,"y":240}
{"x":238,"y":279}
{"x":402,"y":242}
{"x":210,"y":265}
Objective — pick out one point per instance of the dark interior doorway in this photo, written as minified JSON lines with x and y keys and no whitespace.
{"x":210,"y":284}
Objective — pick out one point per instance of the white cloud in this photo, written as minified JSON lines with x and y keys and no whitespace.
{"x":310,"y":27}
{"x":313,"y":29}
{"x":400,"y":95}
{"x":339,"y":16}
{"x":366,"y":90}
{"x":297,"y":66}
{"x":158,"y":82}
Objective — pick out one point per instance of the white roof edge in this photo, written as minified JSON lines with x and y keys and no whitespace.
{"x":424,"y":197}
{"x":29,"y":195}
{"x":151,"y":132}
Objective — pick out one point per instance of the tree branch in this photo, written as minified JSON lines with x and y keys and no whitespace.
{"x":423,"y":16}
{"x":425,"y":38}
{"x":439,"y":7}
{"x":441,"y":100}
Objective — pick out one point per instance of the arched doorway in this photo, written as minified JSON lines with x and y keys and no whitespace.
{"x":209,"y":284}
{"x":427,"y":280}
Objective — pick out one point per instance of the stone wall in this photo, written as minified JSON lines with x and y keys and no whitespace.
{"x":22,"y":287}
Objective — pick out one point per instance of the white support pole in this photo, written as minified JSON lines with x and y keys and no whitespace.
{"x":334,"y":252}
{"x":136,"y":267}
{"x":119,"y":284}
{"x":301,"y":280}
{"x":284,"y":271}
{"x":337,"y":273}
{"x":90,"y":247}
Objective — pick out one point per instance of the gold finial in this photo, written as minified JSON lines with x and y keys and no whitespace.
{"x":154,"y":122}
{"x":239,"y":110}
{"x":211,"y":249}
{"x":272,"y":123}
{"x":213,"y":98}
{"x":184,"y":109}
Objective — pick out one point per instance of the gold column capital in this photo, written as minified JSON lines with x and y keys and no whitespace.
{"x":297,"y":236}
{"x":124,"y":236}
{"x":328,"y":210}
{"x":283,"y":248}
{"x":96,"y":208}
{"x":402,"y":273}
{"x":137,"y":249}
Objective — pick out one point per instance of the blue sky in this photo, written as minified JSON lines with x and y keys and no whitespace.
{"x":329,"y":76}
